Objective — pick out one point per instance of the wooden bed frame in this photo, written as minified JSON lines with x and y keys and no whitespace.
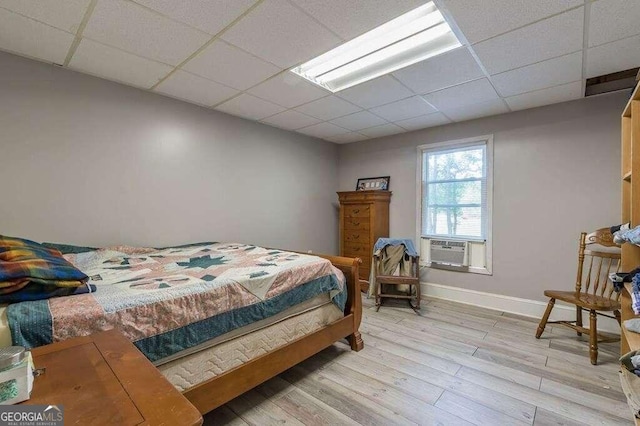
{"x":218,"y":390}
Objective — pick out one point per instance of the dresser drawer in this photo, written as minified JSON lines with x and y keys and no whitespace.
{"x":356,"y":236}
{"x":364,"y":274}
{"x":362,"y":251}
{"x":356,"y":210}
{"x":366,"y":259}
{"x":366,"y":262}
{"x":356,"y":223}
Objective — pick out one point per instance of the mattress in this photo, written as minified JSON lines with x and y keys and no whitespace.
{"x":317,"y":301}
{"x":195,"y":368}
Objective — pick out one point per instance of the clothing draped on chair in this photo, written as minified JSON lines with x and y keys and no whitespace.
{"x":395,"y":271}
{"x":389,"y":260}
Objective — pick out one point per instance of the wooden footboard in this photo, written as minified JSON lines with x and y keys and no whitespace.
{"x":217,"y":391}
{"x":349,"y":267}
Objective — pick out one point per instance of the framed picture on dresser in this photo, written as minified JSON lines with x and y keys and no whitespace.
{"x":380,"y":183}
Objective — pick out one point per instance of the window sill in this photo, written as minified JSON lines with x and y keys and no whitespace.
{"x":471,"y":270}
{"x":456,"y":238}
{"x":481,"y":271}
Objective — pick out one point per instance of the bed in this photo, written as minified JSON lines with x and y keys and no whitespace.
{"x":216,"y":319}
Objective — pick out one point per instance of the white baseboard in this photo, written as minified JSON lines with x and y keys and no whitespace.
{"x":514,"y":305}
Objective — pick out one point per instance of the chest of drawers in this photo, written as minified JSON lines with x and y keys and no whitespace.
{"x":364,"y":217}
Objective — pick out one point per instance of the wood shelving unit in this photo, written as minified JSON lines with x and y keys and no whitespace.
{"x":630,"y":204}
{"x":630,"y":210}
{"x":632,"y":339}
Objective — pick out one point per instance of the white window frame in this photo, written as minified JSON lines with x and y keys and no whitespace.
{"x":460,"y":143}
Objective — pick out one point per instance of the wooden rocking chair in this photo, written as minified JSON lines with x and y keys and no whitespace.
{"x":593,"y":290}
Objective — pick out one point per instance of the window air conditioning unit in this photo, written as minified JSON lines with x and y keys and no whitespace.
{"x":447,"y":254}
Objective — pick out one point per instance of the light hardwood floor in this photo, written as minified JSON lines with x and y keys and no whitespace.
{"x":453,"y":365}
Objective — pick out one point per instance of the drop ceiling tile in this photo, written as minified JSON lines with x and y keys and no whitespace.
{"x":288,"y":90}
{"x":113,"y":64}
{"x":383,"y":130}
{"x":612,"y":20}
{"x":192,"y":88}
{"x":482,"y":109}
{"x":480,"y":20}
{"x":359,"y":120}
{"x":470,"y":93}
{"x":291,"y":120}
{"x":612,"y":57}
{"x":135,"y":29}
{"x":555,"y":36}
{"x":65,"y":15}
{"x":552,"y":95}
{"x":448,"y":69}
{"x":209,"y":16}
{"x":423,"y":121}
{"x":323,"y":130}
{"x":553,"y":72}
{"x":350,"y":18}
{"x":31,"y":38}
{"x":347,"y":138}
{"x":248,"y":106}
{"x":406,"y":108}
{"x":280,"y":33}
{"x":230,"y":66}
{"x":382,"y":90}
{"x":328,"y":108}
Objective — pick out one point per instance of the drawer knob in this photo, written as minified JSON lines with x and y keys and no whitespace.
{"x":356,"y":211}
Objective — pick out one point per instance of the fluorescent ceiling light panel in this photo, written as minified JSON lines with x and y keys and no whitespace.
{"x":413,"y":37}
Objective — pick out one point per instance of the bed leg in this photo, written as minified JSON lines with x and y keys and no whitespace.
{"x":355,"y":340}
{"x":354,"y":303}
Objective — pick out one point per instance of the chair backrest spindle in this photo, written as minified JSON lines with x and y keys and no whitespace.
{"x":580,"y":262}
{"x":587,"y":283}
{"x":597,"y":277}
{"x":599,"y":247}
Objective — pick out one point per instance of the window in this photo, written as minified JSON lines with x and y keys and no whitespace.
{"x":455,"y":196}
{"x":455,"y":192}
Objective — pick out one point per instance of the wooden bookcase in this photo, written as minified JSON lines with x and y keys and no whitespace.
{"x":630,"y":211}
{"x":630,"y":206}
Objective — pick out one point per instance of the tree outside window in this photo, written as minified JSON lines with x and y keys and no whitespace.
{"x":454,"y":192}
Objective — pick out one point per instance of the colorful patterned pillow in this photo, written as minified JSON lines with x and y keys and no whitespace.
{"x":7,"y":243}
{"x":22,"y":259}
{"x":11,"y":286}
{"x":40,"y":292}
{"x":68,"y":248}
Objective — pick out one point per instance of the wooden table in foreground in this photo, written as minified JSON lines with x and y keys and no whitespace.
{"x":104,"y":379}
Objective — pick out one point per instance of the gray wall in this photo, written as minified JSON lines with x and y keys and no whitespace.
{"x":86,"y":161}
{"x":556,"y":173}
